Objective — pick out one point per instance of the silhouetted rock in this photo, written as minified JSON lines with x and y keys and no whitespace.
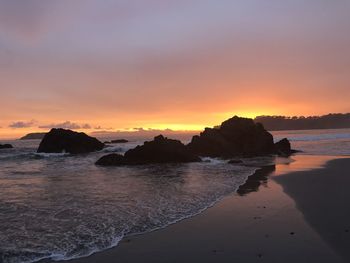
{"x":118,"y":141}
{"x":234,"y":137}
{"x":112,"y":160}
{"x":6,"y":146}
{"x":235,"y":161}
{"x":283,"y":147}
{"x":160,"y":150}
{"x":61,"y":140}
{"x":34,"y":136}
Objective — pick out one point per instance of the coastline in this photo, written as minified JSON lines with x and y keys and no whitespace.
{"x":264,"y":221}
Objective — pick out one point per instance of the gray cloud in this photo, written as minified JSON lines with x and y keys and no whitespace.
{"x":86,"y":126}
{"x":66,"y":125}
{"x":22,"y":124}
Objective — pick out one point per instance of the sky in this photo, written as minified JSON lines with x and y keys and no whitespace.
{"x":108,"y":65}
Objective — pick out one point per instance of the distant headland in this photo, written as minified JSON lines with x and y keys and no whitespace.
{"x":330,"y":121}
{"x":33,"y":136}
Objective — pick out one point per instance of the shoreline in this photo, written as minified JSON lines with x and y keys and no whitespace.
{"x":261,"y":222}
{"x":326,"y":207}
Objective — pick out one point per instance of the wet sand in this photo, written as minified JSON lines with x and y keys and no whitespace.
{"x":289,"y":213}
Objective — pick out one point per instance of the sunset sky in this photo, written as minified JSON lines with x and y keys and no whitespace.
{"x":114,"y":65}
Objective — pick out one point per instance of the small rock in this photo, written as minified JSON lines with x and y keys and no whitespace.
{"x":235,"y":161}
{"x":117,"y":141}
{"x":6,"y":146}
{"x":160,"y":150}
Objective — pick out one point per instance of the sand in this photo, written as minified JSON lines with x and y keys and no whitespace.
{"x":289,"y":213}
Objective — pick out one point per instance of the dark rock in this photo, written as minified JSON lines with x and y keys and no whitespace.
{"x":234,"y":137}
{"x":61,"y":140}
{"x":34,"y":136}
{"x":6,"y":146}
{"x":116,"y":141}
{"x":283,"y":147}
{"x":111,"y":160}
{"x":160,"y":150}
{"x":233,"y":161}
{"x":119,"y":141}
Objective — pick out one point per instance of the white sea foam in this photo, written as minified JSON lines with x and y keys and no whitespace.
{"x":93,"y":210}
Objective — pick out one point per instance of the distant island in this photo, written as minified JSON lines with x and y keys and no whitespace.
{"x":34,"y":136}
{"x":330,"y":121}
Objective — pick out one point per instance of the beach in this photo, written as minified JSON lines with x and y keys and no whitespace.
{"x":296,"y":212}
{"x":174,"y":131}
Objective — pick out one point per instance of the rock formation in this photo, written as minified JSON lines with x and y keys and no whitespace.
{"x":283,"y":147}
{"x":160,"y":150}
{"x":61,"y":140}
{"x":234,"y":137}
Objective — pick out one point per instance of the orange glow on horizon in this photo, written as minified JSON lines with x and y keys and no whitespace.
{"x":188,"y":124}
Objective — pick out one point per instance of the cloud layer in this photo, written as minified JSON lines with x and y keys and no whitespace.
{"x":178,"y":64}
{"x":22,"y":124}
{"x":66,"y":125}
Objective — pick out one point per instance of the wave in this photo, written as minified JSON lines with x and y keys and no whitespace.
{"x":139,"y":200}
{"x":30,"y":155}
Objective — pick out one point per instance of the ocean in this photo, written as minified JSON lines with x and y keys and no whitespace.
{"x":62,"y":206}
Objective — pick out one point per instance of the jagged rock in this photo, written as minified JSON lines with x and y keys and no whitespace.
{"x":234,"y":137}
{"x":6,"y":146}
{"x":283,"y":146}
{"x":61,"y":140}
{"x":160,"y":150}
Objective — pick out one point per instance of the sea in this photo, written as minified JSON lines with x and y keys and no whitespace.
{"x":62,"y":206}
